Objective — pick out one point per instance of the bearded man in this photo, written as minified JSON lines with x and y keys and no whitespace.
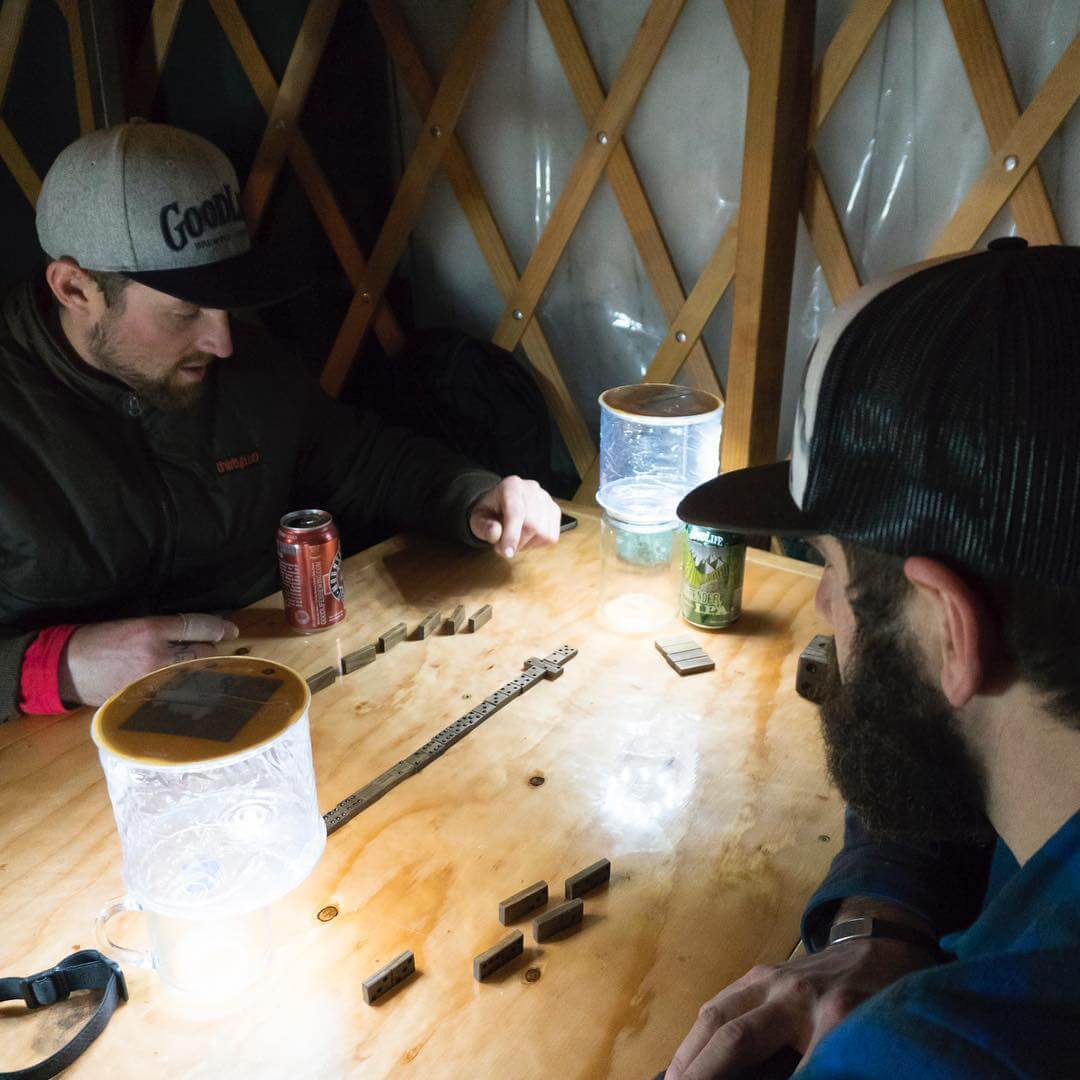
{"x":936,"y":465}
{"x":151,"y":447}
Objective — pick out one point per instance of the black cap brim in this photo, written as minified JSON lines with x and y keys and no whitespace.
{"x":259,"y":277}
{"x":755,"y":500}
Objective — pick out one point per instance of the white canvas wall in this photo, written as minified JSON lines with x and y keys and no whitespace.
{"x":899,"y":151}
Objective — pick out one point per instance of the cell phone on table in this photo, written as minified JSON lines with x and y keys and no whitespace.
{"x":567,"y":522}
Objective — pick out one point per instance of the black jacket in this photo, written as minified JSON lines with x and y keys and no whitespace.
{"x":109,"y":508}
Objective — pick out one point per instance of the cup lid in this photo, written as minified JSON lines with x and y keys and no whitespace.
{"x":201,"y":711}
{"x":661,"y":403}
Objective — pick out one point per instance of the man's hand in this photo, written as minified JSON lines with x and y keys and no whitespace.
{"x":514,"y":515}
{"x":794,"y":1004}
{"x":101,"y":658}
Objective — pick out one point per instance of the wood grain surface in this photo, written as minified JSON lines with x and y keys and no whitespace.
{"x":707,"y":793}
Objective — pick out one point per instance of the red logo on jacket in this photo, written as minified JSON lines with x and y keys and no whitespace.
{"x":240,"y":461}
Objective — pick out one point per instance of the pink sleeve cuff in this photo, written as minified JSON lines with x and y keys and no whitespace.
{"x":39,"y":691}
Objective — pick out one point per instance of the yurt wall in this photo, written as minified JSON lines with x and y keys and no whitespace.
{"x":615,"y":189}
{"x":922,"y":116}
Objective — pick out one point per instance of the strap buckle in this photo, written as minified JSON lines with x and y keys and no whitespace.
{"x":45,"y":988}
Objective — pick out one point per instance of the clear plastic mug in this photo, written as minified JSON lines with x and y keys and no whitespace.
{"x":211,"y":958}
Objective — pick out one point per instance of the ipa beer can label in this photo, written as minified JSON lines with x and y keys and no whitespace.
{"x":712,"y":577}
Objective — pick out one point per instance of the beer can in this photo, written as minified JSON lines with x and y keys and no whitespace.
{"x":309,"y":561}
{"x":710,"y":594}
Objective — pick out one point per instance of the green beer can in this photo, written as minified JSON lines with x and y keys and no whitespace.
{"x":712,"y":577}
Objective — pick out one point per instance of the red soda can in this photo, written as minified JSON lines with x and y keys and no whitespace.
{"x":309,"y":560}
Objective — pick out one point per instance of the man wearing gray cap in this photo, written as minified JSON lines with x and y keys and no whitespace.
{"x":152,"y":446}
{"x":936,"y":466}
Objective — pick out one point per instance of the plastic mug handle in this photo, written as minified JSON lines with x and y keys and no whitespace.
{"x":122,"y":953}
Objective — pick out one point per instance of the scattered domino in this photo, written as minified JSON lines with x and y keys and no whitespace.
{"x":455,"y":619}
{"x":692,"y":664}
{"x":494,"y":958}
{"x":354,"y":660}
{"x":389,"y":638}
{"x":584,"y":881}
{"x":385,"y":979}
{"x":479,"y":617}
{"x":321,"y":679}
{"x":521,"y":903}
{"x":428,"y":627}
{"x":558,"y":919}
{"x":684,"y":654}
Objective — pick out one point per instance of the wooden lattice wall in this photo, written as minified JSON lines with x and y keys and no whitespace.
{"x":787,"y":105}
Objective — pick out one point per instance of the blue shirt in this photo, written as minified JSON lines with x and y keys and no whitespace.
{"x":1008,"y":1005}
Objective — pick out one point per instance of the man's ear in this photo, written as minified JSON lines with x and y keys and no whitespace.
{"x":72,"y":286}
{"x":964,"y":625}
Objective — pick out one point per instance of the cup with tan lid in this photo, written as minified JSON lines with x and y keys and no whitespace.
{"x":209,"y":769}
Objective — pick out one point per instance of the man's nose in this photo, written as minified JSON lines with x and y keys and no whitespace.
{"x":216,"y":337}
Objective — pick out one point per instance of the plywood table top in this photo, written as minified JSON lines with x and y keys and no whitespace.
{"x":708,"y":794}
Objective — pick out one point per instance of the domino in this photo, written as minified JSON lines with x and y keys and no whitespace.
{"x":389,"y":638}
{"x":584,"y":881}
{"x":386,"y":978}
{"x":673,"y":641}
{"x":354,"y":660}
{"x":692,"y":665}
{"x":321,"y":679}
{"x":685,"y":654}
{"x":558,"y":919}
{"x":479,"y":617}
{"x":455,"y":619}
{"x":521,"y":903}
{"x":811,"y":678}
{"x":428,"y":627}
{"x":550,"y":670}
{"x":487,"y":963}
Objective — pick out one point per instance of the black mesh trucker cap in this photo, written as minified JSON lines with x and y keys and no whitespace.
{"x":162,"y":206}
{"x":940,"y":416}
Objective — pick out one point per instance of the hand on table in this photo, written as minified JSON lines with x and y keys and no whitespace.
{"x":794,"y":1004}
{"x":514,"y":515}
{"x":101,"y":658}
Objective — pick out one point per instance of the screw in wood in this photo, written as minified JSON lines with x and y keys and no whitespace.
{"x":680,"y":336}
{"x":329,"y":912}
{"x":536,"y":781}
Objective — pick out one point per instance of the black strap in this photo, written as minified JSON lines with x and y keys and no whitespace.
{"x":84,"y":970}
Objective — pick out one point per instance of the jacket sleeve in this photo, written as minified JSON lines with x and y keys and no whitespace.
{"x":943,"y":883}
{"x":13,"y":645}
{"x":369,"y":474}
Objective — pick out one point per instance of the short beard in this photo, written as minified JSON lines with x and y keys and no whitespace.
{"x":892,"y":746}
{"x":159,"y":393}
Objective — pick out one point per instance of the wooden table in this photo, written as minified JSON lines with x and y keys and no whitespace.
{"x":707,"y":793}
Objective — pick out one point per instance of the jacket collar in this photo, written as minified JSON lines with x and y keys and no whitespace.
{"x":27,"y":310}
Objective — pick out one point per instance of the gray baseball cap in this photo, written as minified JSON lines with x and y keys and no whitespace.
{"x":162,"y":206}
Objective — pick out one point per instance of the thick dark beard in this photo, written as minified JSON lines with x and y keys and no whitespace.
{"x":892,"y":746}
{"x":158,"y":393}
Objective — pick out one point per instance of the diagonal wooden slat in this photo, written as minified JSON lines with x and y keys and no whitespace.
{"x":408,"y":202}
{"x":822,"y":220}
{"x":1015,"y":155}
{"x":625,"y":183}
{"x":980,"y":52}
{"x":306,"y":165}
{"x":11,"y":153}
{"x":467,"y":188}
{"x":281,"y":125}
{"x":591,"y":163}
{"x":827,"y":234}
{"x":153,"y":51}
{"x":80,"y":72}
{"x":12,"y":20}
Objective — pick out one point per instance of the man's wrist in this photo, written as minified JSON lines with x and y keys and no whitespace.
{"x":854,"y":907}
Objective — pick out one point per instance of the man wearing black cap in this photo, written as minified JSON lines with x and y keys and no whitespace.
{"x":151,"y":447}
{"x":936,"y":465}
